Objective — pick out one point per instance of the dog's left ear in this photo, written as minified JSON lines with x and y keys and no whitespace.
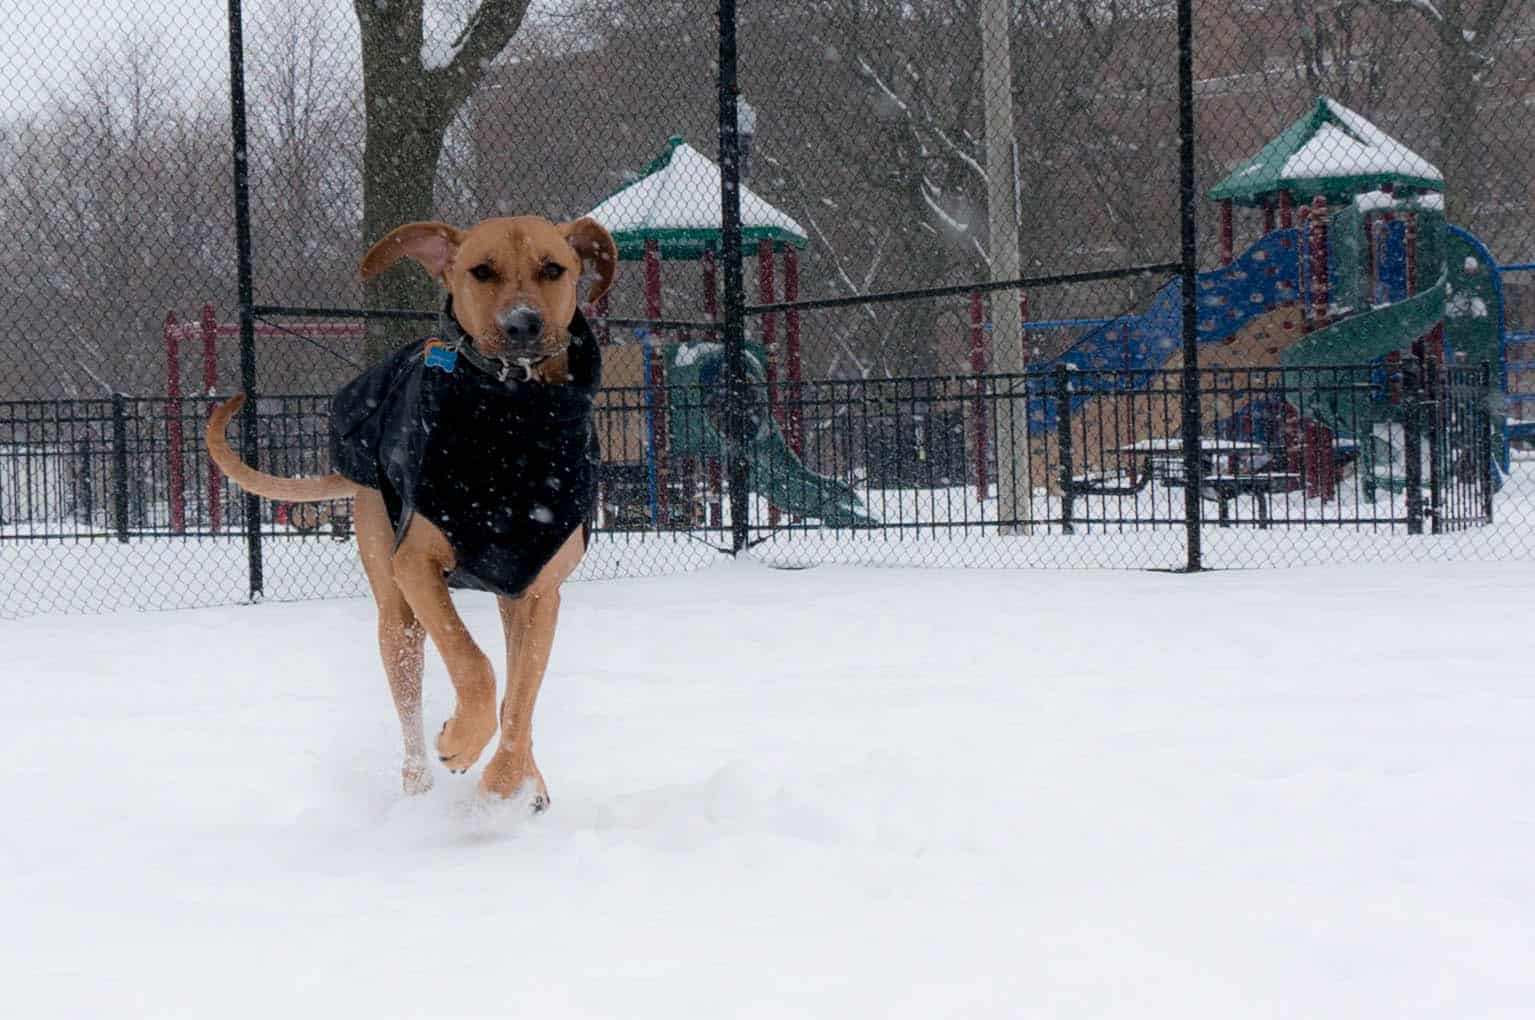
{"x":594,"y":244}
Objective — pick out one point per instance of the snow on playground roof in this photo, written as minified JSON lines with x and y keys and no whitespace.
{"x":1331,"y":151}
{"x":677,"y":202}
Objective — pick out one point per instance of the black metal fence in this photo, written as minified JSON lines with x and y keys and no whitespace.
{"x":1250,"y":284}
{"x":893,"y":470}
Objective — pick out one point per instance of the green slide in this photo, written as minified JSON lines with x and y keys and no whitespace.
{"x":695,"y":374}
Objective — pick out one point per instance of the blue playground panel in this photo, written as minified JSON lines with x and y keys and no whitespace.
{"x":1391,"y":274}
{"x":1261,"y":279}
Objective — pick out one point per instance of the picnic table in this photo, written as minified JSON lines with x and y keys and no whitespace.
{"x":1229,"y":468}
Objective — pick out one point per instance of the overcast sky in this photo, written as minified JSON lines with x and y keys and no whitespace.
{"x":46,"y":44}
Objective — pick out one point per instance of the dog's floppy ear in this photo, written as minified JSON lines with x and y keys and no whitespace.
{"x":431,"y":244}
{"x":594,"y":244}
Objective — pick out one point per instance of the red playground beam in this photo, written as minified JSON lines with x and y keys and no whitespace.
{"x":656,"y":375}
{"x":796,"y":411}
{"x":210,"y":338}
{"x":713,"y":470}
{"x":766,"y":290}
{"x":173,"y":437}
{"x":1228,"y":242}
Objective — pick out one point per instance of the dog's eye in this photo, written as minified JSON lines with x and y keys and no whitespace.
{"x":483,"y":273}
{"x":551,"y":271}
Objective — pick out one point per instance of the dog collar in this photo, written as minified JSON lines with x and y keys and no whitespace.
{"x":498,"y":366}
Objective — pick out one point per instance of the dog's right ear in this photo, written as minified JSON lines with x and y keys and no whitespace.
{"x":431,"y":244}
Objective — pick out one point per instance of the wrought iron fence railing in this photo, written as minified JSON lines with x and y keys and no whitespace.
{"x":886,"y":470}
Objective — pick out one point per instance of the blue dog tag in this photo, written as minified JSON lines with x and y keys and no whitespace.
{"x":440,"y":355}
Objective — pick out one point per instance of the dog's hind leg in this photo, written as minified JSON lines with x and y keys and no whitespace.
{"x":401,"y":639}
{"x":529,"y":623}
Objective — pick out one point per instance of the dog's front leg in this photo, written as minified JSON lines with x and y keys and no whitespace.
{"x":420,"y":574}
{"x":529,"y":623}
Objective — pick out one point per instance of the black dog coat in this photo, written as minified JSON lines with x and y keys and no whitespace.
{"x":507,"y":470}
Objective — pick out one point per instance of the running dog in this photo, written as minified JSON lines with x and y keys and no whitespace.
{"x":471,"y":459}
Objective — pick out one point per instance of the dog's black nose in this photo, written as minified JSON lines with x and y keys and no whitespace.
{"x":522,"y":326}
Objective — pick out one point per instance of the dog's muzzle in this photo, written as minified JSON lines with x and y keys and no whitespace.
{"x":523,"y":329}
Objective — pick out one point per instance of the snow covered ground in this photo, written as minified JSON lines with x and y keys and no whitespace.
{"x":839,"y":792}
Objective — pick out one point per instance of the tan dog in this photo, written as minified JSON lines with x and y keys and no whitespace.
{"x":513,"y":284}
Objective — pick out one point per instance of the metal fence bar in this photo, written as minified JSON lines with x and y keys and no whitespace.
{"x":958,"y":290}
{"x":244,"y":271}
{"x":1189,"y":243}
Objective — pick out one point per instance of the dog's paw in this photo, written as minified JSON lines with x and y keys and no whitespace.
{"x":464,"y":736}
{"x":417,"y":778}
{"x":507,"y":778}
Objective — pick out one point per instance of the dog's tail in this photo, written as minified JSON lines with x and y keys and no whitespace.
{"x":291,"y":490}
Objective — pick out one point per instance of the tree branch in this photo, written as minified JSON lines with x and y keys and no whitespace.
{"x":484,"y":35}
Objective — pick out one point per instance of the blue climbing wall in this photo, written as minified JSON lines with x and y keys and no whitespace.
{"x":1261,"y":279}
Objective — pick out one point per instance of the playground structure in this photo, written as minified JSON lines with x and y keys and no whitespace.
{"x":1355,"y":265}
{"x":668,"y":444}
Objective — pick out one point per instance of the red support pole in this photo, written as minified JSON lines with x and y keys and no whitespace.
{"x":713,"y":469}
{"x":1268,"y":215}
{"x":1228,"y":243}
{"x":210,"y":337}
{"x":765,"y":293}
{"x":1303,"y":264}
{"x":978,"y":408}
{"x":173,"y":438}
{"x":656,"y":376}
{"x":1319,"y":294}
{"x":1286,"y":211}
{"x":796,"y":410}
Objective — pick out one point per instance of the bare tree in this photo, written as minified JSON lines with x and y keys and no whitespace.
{"x":1466,"y":33}
{"x":108,"y":185}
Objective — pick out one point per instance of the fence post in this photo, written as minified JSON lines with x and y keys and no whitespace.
{"x":1433,"y":396}
{"x":1412,"y":441}
{"x":1193,"y":464}
{"x":1063,"y":436}
{"x":120,"y":465}
{"x":244,"y":273}
{"x":734,"y":291}
{"x":1484,"y":430}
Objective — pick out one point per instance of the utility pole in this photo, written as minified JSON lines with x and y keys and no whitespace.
{"x":1014,"y":490}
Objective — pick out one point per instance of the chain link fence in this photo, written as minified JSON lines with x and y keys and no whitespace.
{"x":917,"y":346}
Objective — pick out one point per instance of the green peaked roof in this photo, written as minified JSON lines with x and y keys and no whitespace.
{"x":676,"y":201}
{"x":1331,"y":151}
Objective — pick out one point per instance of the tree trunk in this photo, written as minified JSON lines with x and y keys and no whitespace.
{"x":1458,"y":64}
{"x":399,"y":166}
